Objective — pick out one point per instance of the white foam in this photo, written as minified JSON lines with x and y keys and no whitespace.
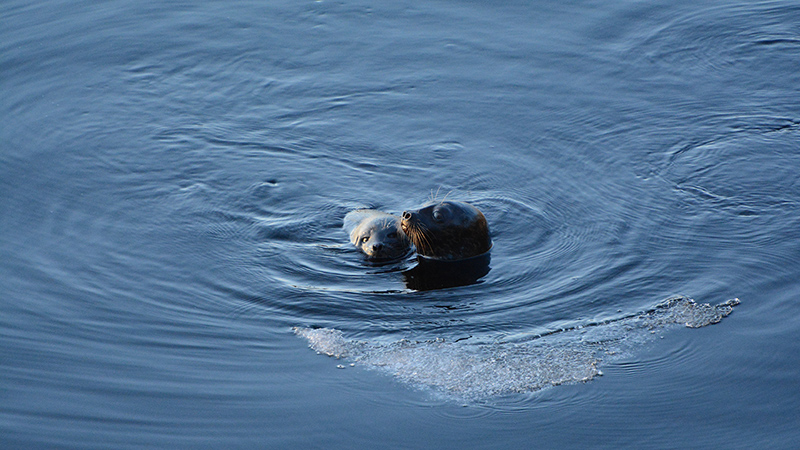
{"x":474,"y":371}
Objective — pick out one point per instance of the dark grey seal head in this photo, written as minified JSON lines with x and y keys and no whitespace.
{"x":447,"y":230}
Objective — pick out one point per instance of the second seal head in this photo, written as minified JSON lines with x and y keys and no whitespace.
{"x":377,"y":234}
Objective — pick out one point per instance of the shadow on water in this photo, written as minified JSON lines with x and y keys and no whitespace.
{"x":430,"y":274}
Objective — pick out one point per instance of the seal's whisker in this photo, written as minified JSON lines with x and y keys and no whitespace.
{"x":417,"y":236}
{"x":435,"y":197}
{"x":424,"y":236}
{"x":412,"y":235}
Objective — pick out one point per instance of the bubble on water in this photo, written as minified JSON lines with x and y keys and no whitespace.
{"x":686,"y":311}
{"x":478,"y":370}
{"x":326,"y":341}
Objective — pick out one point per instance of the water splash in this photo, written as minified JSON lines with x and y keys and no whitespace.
{"x":475,"y":371}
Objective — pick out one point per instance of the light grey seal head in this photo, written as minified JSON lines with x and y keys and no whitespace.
{"x":377,"y":234}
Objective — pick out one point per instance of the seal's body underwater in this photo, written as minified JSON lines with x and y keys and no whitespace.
{"x":377,"y":234}
{"x":447,"y":230}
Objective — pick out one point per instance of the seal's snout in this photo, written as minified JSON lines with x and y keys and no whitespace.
{"x":376,"y":248}
{"x":405,"y":223}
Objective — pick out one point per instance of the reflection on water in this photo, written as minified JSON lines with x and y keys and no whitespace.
{"x":430,"y":274}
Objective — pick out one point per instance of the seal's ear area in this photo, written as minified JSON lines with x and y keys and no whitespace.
{"x":462,"y":213}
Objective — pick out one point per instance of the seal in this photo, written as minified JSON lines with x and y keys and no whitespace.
{"x":377,"y":234}
{"x":447,"y":230}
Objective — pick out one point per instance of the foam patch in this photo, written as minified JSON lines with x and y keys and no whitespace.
{"x":479,"y":370}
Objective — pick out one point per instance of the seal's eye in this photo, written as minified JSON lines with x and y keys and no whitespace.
{"x":437,"y":215}
{"x":364,"y":239}
{"x":392,"y":235}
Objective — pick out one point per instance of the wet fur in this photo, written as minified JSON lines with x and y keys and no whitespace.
{"x":377,"y":234}
{"x":462,"y":235}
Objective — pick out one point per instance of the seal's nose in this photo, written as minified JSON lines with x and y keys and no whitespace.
{"x":376,"y":248}
{"x":406,"y":215}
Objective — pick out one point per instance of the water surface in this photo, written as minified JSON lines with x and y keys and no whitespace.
{"x":173,"y":179}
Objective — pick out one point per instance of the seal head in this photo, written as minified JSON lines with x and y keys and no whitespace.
{"x":377,"y":234}
{"x":447,"y":230}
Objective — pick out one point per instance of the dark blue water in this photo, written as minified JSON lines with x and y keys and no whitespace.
{"x":173,"y":179}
